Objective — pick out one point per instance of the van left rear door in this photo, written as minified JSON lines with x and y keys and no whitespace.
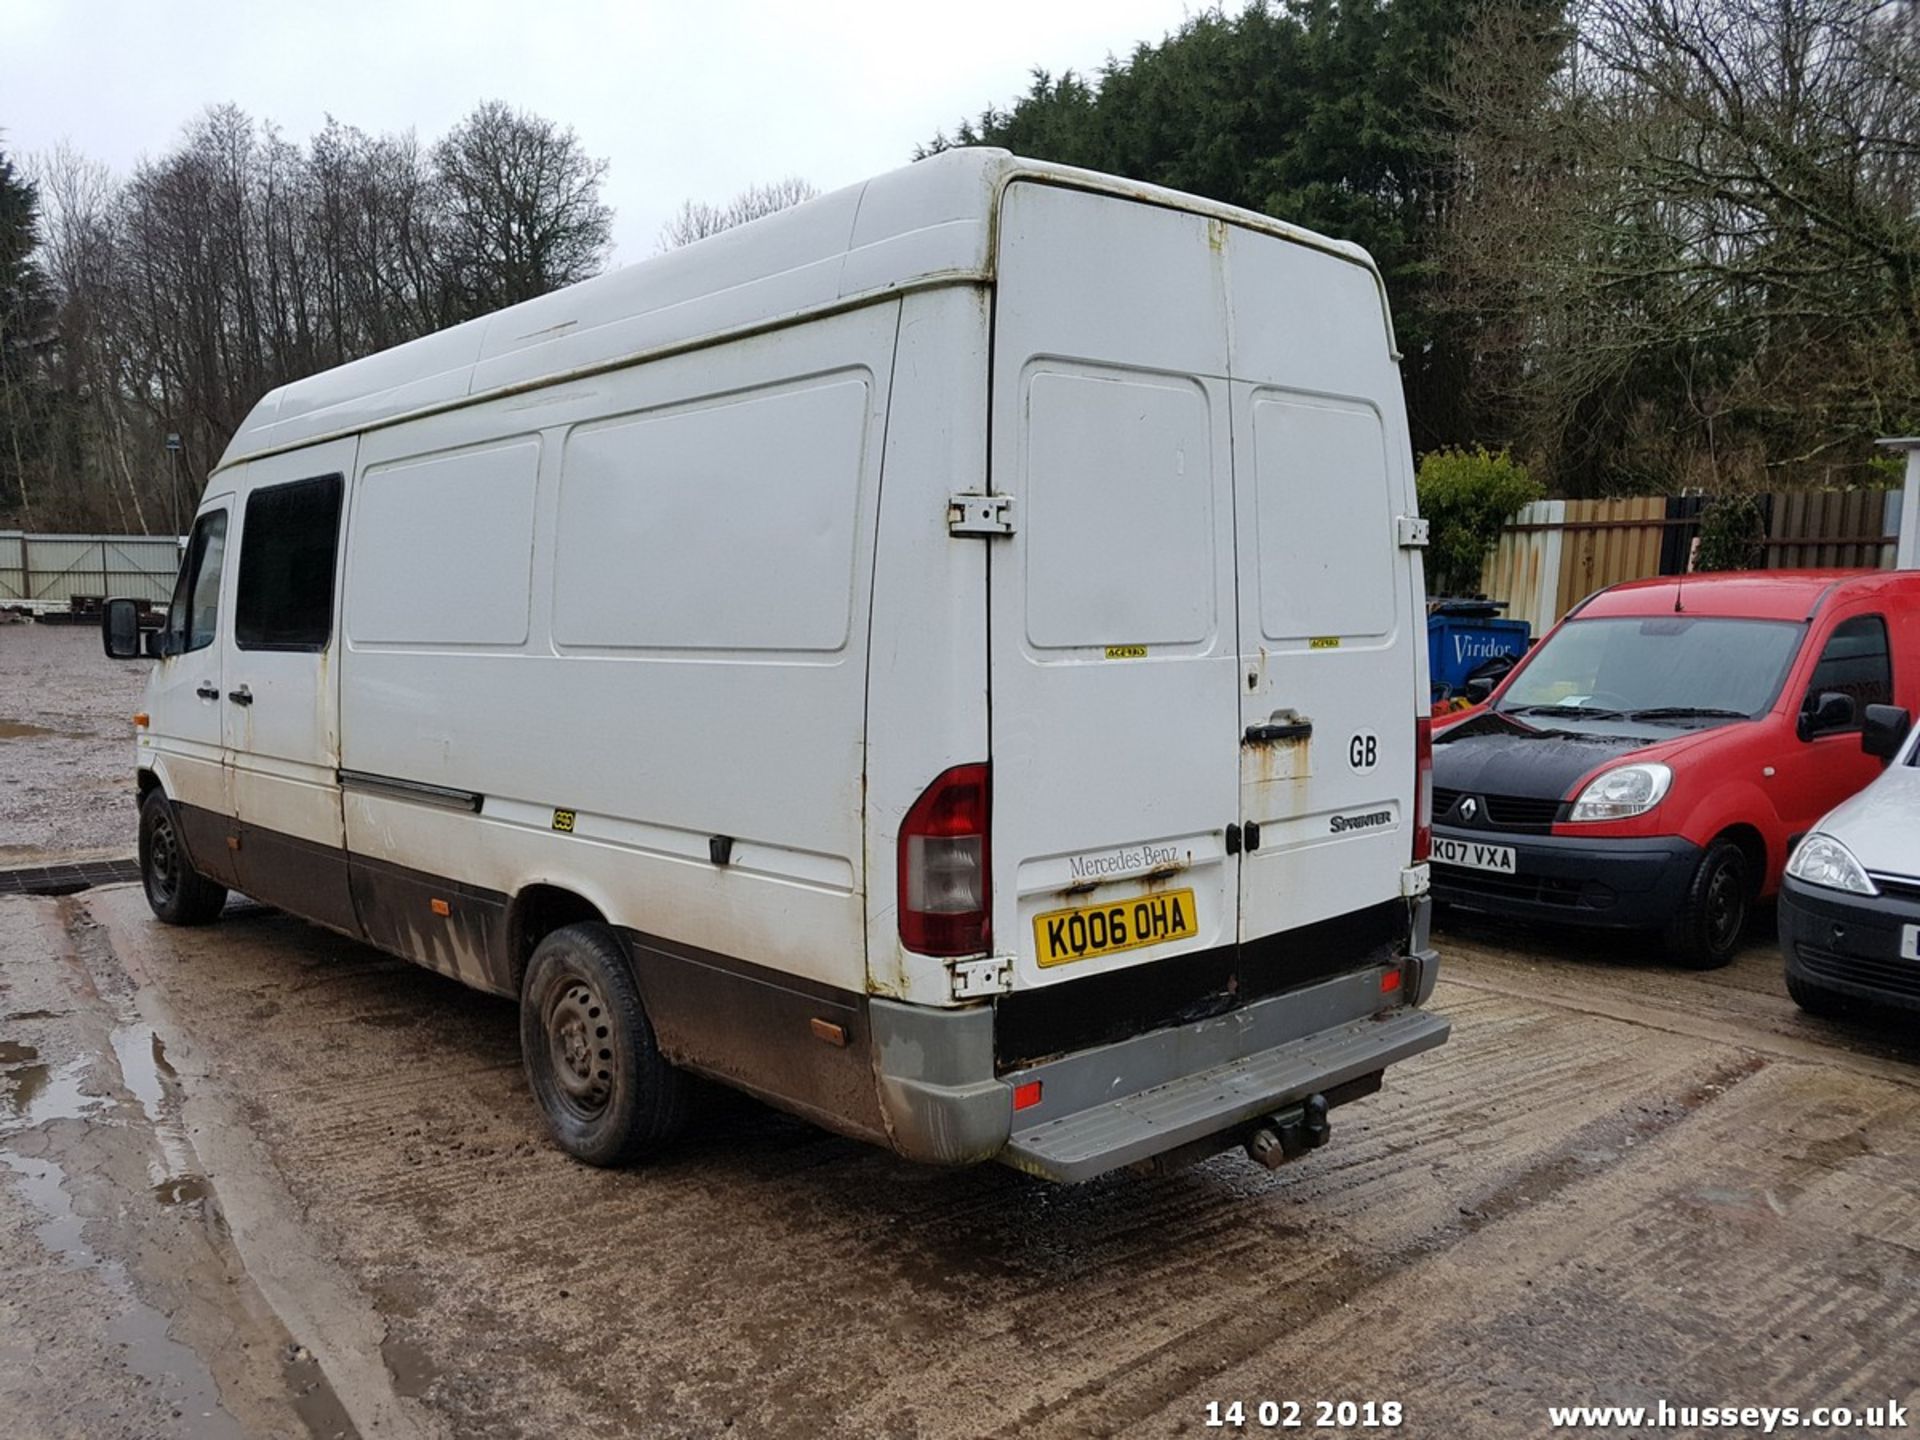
{"x":282,"y":700}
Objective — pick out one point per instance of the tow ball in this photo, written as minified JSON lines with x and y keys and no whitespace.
{"x":1289,"y":1134}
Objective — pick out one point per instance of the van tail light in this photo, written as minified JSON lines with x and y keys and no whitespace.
{"x":944,"y":886}
{"x":1422,"y":788}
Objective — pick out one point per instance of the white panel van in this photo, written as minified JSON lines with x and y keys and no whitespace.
{"x":946,"y":659}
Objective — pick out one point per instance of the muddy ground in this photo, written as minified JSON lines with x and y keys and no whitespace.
{"x":66,"y":744}
{"x":257,"y":1180}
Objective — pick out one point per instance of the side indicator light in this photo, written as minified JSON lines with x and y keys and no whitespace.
{"x":1027,"y":1095}
{"x":1389,"y":982}
{"x":440,"y":907}
{"x":140,"y":720}
{"x":826,"y":1030}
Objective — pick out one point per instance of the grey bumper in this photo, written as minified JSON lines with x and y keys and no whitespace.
{"x":1117,"y":1104}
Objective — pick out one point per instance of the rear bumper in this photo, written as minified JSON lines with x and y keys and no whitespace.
{"x":1118,"y":1104}
{"x":1620,"y":884}
{"x":1850,"y":944}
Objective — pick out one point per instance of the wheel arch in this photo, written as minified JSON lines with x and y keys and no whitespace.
{"x":535,"y":912}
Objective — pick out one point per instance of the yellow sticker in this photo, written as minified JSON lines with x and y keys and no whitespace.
{"x":563,"y":821}
{"x":1126,"y":652}
{"x":1324,"y":642}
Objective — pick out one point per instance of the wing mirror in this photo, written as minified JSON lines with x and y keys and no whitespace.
{"x":120,"y":630}
{"x":1828,"y":711}
{"x":1884,"y":729}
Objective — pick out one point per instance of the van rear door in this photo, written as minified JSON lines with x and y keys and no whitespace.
{"x":1202,"y":675}
{"x":1113,"y":633}
{"x":1329,"y":680}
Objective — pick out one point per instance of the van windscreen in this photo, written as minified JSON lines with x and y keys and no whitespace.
{"x":1709,"y":667}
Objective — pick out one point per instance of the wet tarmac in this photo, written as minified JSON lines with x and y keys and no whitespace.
{"x":257,"y":1180}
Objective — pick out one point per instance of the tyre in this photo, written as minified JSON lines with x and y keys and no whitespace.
{"x":591,"y":1058}
{"x":1815,"y":1000}
{"x":1706,"y":929}
{"x":177,"y":893}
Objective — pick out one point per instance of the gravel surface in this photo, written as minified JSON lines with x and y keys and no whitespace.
{"x":66,"y":745}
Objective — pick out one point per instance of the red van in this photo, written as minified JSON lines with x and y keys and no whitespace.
{"x":1651,"y":763}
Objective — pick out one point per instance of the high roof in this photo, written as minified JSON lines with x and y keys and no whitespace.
{"x":1746,"y":594}
{"x":929,"y":223}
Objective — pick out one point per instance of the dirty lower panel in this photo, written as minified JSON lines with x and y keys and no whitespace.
{"x":756,"y":1028}
{"x":1034,"y":1024}
{"x":457,"y":929}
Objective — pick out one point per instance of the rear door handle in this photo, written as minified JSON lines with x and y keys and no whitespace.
{"x":242,"y":696}
{"x":206,"y":690}
{"x":1280,"y":730}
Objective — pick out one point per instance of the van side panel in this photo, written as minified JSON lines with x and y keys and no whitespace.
{"x":677,"y":739}
{"x":927,"y":663}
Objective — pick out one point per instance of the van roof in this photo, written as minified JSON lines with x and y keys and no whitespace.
{"x":1749,"y":594}
{"x":929,"y":223}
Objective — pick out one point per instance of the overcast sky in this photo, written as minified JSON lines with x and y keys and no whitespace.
{"x":684,"y":98}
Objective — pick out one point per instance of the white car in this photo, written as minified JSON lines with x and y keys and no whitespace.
{"x":1850,"y":904}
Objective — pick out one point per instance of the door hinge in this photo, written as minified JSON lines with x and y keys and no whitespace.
{"x":1415,"y":881}
{"x":982,"y":975}
{"x":980,"y":514}
{"x":1412,"y":531}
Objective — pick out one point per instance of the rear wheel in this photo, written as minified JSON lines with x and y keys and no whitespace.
{"x":590,"y":1053}
{"x":1705,"y":931}
{"x":177,"y":893}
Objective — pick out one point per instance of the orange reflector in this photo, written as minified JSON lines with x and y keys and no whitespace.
{"x":140,"y":720}
{"x":1389,"y":982}
{"x":828,"y":1031}
{"x":1026,"y":1096}
{"x":440,"y":907}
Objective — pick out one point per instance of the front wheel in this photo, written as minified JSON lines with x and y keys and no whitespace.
{"x":1706,"y":929}
{"x":1816,"y":999}
{"x":177,"y":893}
{"x":592,"y":1061}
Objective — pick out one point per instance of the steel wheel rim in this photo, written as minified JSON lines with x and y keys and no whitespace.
{"x":580,"y":1047}
{"x":1725,"y":909}
{"x":163,"y":860}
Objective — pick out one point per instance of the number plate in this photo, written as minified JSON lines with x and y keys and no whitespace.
{"x":1910,"y":942}
{"x":1062,"y":936}
{"x":1473,"y":855}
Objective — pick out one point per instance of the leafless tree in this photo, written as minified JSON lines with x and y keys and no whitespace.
{"x":1696,"y":253}
{"x":697,"y":219}
{"x":523,"y":211}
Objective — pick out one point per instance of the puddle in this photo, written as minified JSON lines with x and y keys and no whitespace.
{"x":12,"y":1052}
{"x":174,"y":1172}
{"x":172,"y":1369}
{"x":20,"y":730}
{"x":36,"y":1093}
{"x":29,"y":1015}
{"x":413,"y":1372}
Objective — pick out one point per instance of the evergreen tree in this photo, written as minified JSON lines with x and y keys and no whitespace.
{"x":24,"y":323}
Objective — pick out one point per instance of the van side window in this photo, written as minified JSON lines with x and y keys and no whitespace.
{"x":287,"y":549}
{"x":193,"y":616}
{"x":1856,"y":663}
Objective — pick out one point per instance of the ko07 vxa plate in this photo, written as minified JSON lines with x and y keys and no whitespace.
{"x":1082,"y":932}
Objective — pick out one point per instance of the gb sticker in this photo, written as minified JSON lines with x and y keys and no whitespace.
{"x":1363,"y":751}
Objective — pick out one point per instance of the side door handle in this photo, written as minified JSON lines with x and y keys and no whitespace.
{"x":207,"y":690}
{"x":1279,"y":730}
{"x":242,"y":696}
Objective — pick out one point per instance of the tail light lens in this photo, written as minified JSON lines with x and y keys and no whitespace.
{"x":944,"y":887}
{"x":1422,"y":788}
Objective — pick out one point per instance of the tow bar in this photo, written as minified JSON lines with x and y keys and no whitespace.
{"x":1291,"y":1133}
